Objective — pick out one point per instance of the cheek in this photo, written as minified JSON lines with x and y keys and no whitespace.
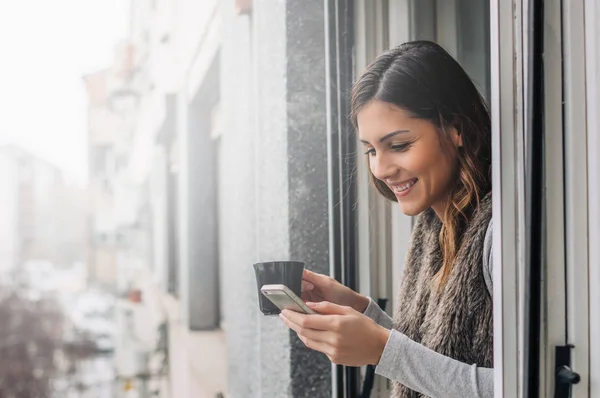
{"x":442,"y":172}
{"x":421,"y":161}
{"x":434,"y":167}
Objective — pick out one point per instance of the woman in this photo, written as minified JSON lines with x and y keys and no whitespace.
{"x":426,"y":134}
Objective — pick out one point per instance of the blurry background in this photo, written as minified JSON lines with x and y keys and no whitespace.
{"x":58,"y":324}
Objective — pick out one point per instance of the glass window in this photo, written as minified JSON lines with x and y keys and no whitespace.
{"x":462,"y":28}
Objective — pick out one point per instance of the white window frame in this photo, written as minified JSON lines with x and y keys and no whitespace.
{"x":592,"y":32}
{"x":507,"y":117}
{"x":575,"y":138}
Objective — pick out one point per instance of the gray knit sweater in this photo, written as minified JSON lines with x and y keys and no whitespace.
{"x":426,"y":371}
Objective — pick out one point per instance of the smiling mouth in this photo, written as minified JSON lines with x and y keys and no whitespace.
{"x":404,"y":186}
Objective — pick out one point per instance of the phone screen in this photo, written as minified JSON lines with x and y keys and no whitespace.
{"x":284,"y":302}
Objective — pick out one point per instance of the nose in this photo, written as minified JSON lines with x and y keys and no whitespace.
{"x":382,"y":167}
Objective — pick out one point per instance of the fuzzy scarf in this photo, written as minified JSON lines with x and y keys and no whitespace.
{"x":456,"y":322}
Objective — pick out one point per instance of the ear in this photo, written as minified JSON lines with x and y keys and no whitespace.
{"x":456,"y":137}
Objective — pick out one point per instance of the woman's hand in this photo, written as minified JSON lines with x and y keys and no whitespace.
{"x":346,"y":336}
{"x":318,"y":287}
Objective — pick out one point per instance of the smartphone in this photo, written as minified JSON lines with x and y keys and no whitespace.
{"x":285,"y":299}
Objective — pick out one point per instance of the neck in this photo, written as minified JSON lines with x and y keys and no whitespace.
{"x":440,"y":209}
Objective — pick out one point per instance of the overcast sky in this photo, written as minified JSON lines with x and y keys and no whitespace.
{"x":45,"y":49}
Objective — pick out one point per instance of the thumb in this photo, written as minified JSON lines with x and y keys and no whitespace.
{"x":327,"y":308}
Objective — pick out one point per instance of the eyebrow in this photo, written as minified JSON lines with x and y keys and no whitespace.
{"x":388,"y":136}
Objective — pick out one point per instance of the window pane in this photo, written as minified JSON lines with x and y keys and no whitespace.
{"x":461,"y":27}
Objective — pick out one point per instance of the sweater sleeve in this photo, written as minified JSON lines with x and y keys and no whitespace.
{"x":430,"y":373}
{"x":374,"y":312}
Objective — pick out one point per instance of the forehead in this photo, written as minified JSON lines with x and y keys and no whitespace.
{"x":379,"y":118}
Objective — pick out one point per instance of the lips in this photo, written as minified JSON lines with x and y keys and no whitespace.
{"x":403,"y":187}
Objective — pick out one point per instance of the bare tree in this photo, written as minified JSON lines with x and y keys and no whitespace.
{"x":33,"y":349}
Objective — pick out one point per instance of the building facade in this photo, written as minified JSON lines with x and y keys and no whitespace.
{"x":37,"y":199}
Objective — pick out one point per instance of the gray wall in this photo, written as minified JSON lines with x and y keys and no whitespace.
{"x":201,"y":160}
{"x":273,"y":186}
{"x":307,"y":171}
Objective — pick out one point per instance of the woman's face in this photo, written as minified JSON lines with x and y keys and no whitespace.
{"x":408,"y":156}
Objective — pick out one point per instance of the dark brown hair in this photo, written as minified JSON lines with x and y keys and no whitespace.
{"x":422,"y":79}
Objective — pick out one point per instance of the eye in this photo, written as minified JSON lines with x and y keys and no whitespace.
{"x":370,"y":151}
{"x":399,"y":147}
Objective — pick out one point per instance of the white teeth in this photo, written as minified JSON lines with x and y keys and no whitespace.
{"x":404,"y":187}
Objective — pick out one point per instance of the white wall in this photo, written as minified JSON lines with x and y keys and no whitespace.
{"x":175,"y":30}
{"x":8,"y":212}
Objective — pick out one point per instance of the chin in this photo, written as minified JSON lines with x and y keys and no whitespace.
{"x":411,"y":209}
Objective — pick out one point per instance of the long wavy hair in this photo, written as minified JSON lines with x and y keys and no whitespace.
{"x":422,"y":79}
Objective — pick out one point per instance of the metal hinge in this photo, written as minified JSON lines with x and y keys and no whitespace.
{"x":564,"y":377}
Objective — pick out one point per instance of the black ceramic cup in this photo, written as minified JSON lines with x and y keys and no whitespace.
{"x":287,"y":273}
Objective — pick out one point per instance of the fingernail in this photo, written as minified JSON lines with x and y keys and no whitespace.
{"x":311,"y":304}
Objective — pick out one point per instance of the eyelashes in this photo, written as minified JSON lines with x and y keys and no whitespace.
{"x":400,"y":147}
{"x":394,"y":148}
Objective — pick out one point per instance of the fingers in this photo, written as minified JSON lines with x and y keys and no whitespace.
{"x":315,"y":321}
{"x":318,"y":346}
{"x":310,"y":295}
{"x":307,"y":286}
{"x":312,"y":277}
{"x":306,"y":333}
{"x":327,"y":308}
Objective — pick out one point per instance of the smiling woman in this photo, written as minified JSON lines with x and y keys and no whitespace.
{"x":419,"y":87}
{"x":426,"y":134}
{"x":409,"y":165}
